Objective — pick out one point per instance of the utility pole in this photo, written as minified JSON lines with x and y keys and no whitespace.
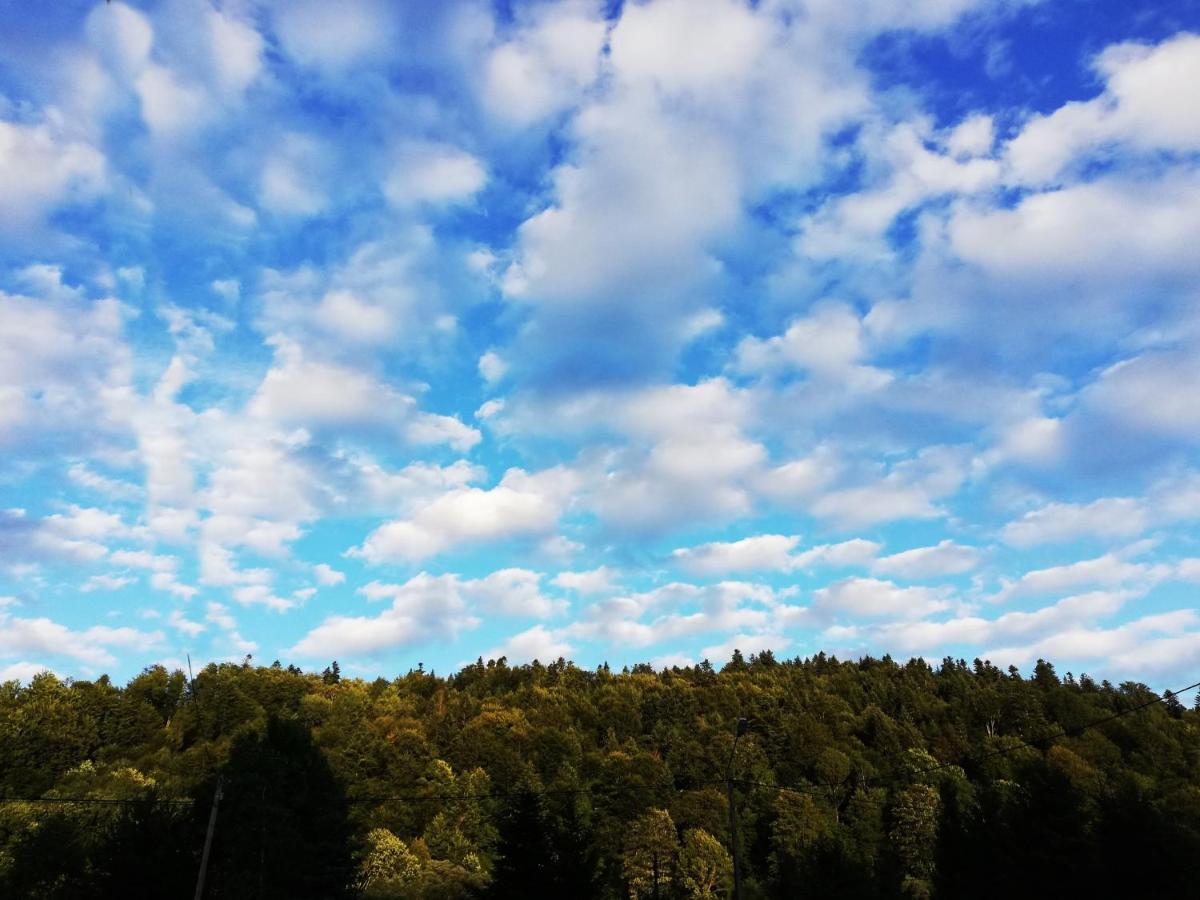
{"x":208,"y":838}
{"x":742,"y":726}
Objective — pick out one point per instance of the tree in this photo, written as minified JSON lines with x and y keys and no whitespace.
{"x":283,"y":825}
{"x":705,"y":867}
{"x":651,"y":851}
{"x":914,"y":838}
{"x":388,"y":868}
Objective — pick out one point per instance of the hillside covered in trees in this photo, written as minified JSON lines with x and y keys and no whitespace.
{"x":852,"y":779}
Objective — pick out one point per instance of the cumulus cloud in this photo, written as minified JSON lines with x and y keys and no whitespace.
{"x":673,"y":611}
{"x":63,"y":361}
{"x":302,"y":391}
{"x":91,"y":646}
{"x":771,"y":553}
{"x":522,"y":504}
{"x":594,"y":581}
{"x":334,"y":39}
{"x":876,"y":598}
{"x":327,"y":575}
{"x":764,"y":552}
{"x":707,"y":278}
{"x":544,"y":66}
{"x":433,"y":173}
{"x":41,"y":170}
{"x":1110,"y":517}
{"x":1108,"y":571}
{"x":945,"y":558}
{"x":829,"y":343}
{"x":22,"y":671}
{"x":424,"y":608}
{"x":1140,"y":108}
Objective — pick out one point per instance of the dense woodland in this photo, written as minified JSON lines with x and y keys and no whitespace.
{"x":853,"y":779}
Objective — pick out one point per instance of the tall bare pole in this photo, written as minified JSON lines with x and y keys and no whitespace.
{"x":208,"y":838}
{"x":742,"y":726}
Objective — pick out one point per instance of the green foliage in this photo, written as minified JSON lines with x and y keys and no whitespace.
{"x":388,"y":868}
{"x":705,"y":867}
{"x":651,"y":855}
{"x":867,"y":779}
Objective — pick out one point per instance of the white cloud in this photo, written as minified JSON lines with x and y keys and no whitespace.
{"x":1068,"y":613}
{"x":228,"y":289}
{"x":333,"y":38}
{"x":236,"y":51}
{"x":41,"y":169}
{"x":544,"y":68}
{"x":764,"y":552}
{"x":883,"y":501}
{"x":593,"y":581}
{"x":1141,"y":107}
{"x":22,"y":671}
{"x":856,"y":225}
{"x":261,"y":595}
{"x":537,"y":643}
{"x":677,"y":610}
{"x":1107,"y":571}
{"x":1151,"y":393}
{"x":520,"y":505}
{"x":302,"y":391}
{"x":1110,"y":517}
{"x":92,"y":646}
{"x":1037,"y":441}
{"x":106,"y":583}
{"x":353,"y":319}
{"x":28,"y":540}
{"x":906,"y":492}
{"x":327,"y":575}
{"x":122,"y":36}
{"x":854,"y":552}
{"x":689,"y":45}
{"x":492,"y":367}
{"x":292,"y":178}
{"x":720,"y":653}
{"x":508,"y":592}
{"x":181,"y":623}
{"x":945,"y":558}
{"x":219,"y":614}
{"x":875,"y":598}
{"x":425,"y":608}
{"x":799,"y":479}
{"x":1112,"y":230}
{"x":142,"y":559}
{"x":973,"y":136}
{"x":433,"y":173}
{"x":512,"y":592}
{"x":828,"y":343}
{"x":64,"y":366}
{"x":165,"y":581}
{"x":172,"y":107}
{"x":86,"y":477}
{"x":1154,"y":643}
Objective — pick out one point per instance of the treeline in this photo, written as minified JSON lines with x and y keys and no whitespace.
{"x":867,"y":779}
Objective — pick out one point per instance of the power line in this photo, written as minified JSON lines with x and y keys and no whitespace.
{"x":110,"y":800}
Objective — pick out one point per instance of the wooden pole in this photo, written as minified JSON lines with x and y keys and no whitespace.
{"x":208,"y":838}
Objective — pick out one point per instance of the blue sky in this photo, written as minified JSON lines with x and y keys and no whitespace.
{"x":406,"y":332}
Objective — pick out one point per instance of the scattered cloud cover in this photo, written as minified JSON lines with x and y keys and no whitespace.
{"x":620,"y":332}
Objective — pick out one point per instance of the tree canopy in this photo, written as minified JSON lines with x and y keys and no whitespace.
{"x":866,"y":778}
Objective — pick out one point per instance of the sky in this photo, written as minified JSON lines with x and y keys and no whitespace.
{"x":405,"y":333}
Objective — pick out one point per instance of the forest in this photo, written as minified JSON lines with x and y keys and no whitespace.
{"x":868,"y":778}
